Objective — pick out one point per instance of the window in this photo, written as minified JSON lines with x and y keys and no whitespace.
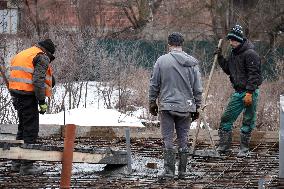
{"x":74,"y":3}
{"x":9,"y":21}
{"x":3,"y":5}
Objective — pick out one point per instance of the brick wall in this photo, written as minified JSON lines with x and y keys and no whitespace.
{"x":105,"y":16}
{"x":97,"y":13}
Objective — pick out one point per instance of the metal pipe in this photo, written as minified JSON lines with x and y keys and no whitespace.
{"x":67,"y":157}
{"x":281,"y":139}
{"x":127,"y":137}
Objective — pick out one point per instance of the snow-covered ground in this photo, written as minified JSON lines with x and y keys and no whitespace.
{"x":92,"y":108}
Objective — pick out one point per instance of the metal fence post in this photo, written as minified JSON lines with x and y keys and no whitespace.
{"x":281,"y":140}
{"x":128,"y":149}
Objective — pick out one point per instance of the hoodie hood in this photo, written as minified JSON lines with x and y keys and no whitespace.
{"x":243,"y":47}
{"x":184,"y":59}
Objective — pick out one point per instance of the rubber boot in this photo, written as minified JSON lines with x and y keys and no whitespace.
{"x":183,"y":158}
{"x":225,"y":141}
{"x":169,"y":165}
{"x":28,"y":168}
{"x":16,"y":164}
{"x":244,"y":145}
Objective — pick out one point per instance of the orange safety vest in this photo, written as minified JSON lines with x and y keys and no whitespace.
{"x":22,"y":69}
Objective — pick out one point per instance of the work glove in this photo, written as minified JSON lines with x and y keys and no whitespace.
{"x":153,"y":108}
{"x":248,"y":99}
{"x":194,"y":116}
{"x":43,"y":108}
{"x":218,"y":51}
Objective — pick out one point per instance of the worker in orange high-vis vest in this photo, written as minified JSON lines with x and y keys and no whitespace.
{"x":30,"y":82}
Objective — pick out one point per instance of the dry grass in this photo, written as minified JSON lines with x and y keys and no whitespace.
{"x":268,"y":105}
{"x":134,"y":90}
{"x":219,"y":93}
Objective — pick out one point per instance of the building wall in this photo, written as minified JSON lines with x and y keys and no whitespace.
{"x":106,"y":17}
{"x":8,"y":18}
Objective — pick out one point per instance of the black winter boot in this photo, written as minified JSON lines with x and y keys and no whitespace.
{"x":244,"y":145}
{"x":225,"y":141}
{"x":28,"y":168}
{"x":16,"y":164}
{"x":183,"y":155}
{"x":169,"y":165}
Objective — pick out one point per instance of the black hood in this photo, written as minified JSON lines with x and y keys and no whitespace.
{"x":50,"y":56}
{"x":243,"y":47}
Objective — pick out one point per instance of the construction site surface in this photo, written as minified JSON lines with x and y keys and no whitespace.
{"x":259,"y":169}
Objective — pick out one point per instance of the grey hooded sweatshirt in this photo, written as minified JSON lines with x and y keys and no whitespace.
{"x":176,"y":81}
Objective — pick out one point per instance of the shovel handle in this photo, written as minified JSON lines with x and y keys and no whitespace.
{"x":204,"y":104}
{"x":211,"y":74}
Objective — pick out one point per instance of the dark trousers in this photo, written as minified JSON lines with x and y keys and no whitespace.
{"x":28,"y":127}
{"x":169,"y":121}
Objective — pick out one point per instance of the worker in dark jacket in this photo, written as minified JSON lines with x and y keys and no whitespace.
{"x":31,"y":81}
{"x":176,"y":84}
{"x":244,"y":69}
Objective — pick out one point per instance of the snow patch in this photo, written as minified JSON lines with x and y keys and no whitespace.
{"x":92,"y":117}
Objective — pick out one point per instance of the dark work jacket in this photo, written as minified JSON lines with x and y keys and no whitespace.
{"x":243,"y":67}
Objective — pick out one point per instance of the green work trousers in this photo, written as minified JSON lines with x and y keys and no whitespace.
{"x":235,"y":107}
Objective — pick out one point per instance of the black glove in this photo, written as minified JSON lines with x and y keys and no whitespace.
{"x":218,"y":51}
{"x":153,"y":108}
{"x":43,"y":107}
{"x":53,"y":81}
{"x":194,"y":115}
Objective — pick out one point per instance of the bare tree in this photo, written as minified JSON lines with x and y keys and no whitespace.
{"x":138,"y":13}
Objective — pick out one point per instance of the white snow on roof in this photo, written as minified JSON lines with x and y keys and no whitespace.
{"x":91,"y":117}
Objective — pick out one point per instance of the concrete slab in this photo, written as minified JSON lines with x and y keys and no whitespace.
{"x":146,"y":132}
{"x":44,"y":130}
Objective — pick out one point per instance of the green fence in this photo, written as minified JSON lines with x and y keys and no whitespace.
{"x":148,"y":51}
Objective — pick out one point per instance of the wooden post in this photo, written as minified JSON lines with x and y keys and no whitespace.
{"x":67,"y":157}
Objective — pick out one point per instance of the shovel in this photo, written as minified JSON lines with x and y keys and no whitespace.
{"x":210,"y":153}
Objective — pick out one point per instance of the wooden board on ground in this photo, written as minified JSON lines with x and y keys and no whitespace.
{"x":146,"y":132}
{"x":12,"y":141}
{"x":114,"y":157}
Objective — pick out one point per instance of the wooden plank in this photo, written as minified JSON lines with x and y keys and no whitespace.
{"x":7,"y":136}
{"x":146,"y":132}
{"x":12,"y":141}
{"x":78,"y":157}
{"x":30,"y":154}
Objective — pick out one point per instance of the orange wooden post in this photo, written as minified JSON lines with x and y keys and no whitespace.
{"x":67,"y":157}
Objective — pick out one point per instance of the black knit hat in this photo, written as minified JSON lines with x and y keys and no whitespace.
{"x":175,"y":39}
{"x":48,"y":45}
{"x":236,"y":34}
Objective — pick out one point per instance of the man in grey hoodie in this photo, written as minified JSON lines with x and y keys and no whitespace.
{"x":176,"y":84}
